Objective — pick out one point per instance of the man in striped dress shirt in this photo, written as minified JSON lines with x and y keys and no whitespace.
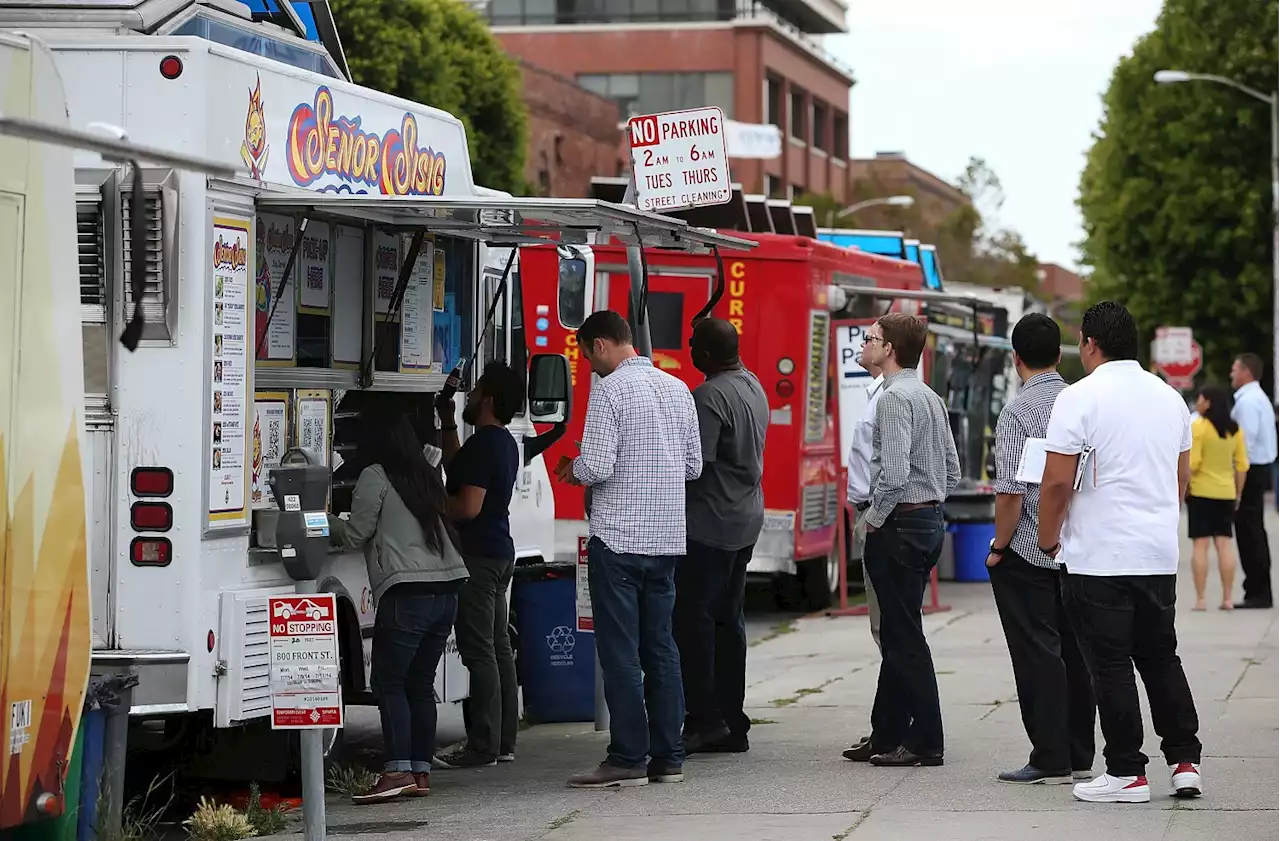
{"x":1054,"y":692}
{"x":640,"y":444}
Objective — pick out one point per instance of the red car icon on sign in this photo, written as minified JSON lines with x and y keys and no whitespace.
{"x":306,"y":608}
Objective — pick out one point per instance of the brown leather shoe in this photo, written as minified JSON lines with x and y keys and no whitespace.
{"x":423,"y":779}
{"x":389,"y":787}
{"x":610,"y":776}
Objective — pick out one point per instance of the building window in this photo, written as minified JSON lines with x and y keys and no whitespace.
{"x":820,"y":126}
{"x":773,"y":100}
{"x":516,"y":12}
{"x":653,"y":93}
{"x":773,"y":186}
{"x":798,"y":127}
{"x":840,"y":142}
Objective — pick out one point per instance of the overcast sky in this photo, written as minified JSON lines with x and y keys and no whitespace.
{"x":1015,"y":82}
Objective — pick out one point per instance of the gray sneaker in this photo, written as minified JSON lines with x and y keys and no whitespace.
{"x":610,"y":776}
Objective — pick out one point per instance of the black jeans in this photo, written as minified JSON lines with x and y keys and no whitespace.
{"x":712,"y":636}
{"x":1055,"y":694}
{"x":409,"y":636}
{"x":899,"y":557}
{"x":1251,"y":535}
{"x":484,"y":644}
{"x":1125,"y":621}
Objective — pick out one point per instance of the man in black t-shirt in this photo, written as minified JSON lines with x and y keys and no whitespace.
{"x":481,"y":475}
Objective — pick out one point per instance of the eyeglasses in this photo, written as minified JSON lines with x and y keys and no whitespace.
{"x":869,"y":338}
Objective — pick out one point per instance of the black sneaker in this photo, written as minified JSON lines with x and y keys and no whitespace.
{"x":661,"y":771}
{"x":860,"y":751}
{"x":1031,"y":775}
{"x":900,"y":757}
{"x":733,"y":743}
{"x":464,"y":758}
{"x":703,"y":742}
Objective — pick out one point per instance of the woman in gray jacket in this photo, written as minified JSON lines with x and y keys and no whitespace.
{"x":397,"y":517}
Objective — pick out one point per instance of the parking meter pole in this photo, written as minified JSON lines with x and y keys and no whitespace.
{"x":312,"y":763}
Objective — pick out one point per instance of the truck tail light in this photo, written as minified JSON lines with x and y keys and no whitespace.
{"x":151,"y":516}
{"x":151,"y":551}
{"x":785,"y":388}
{"x":151,"y":481}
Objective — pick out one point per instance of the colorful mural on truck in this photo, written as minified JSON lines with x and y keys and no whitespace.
{"x":44,"y":581}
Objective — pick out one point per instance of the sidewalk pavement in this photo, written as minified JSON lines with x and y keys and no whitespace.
{"x":810,"y":691}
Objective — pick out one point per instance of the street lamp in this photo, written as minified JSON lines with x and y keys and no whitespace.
{"x":1171,"y":77}
{"x":886,"y":201}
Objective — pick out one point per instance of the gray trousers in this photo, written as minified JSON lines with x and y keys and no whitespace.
{"x":485,"y":649}
{"x":873,"y":604}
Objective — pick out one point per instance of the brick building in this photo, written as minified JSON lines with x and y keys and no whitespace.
{"x":573,"y":134}
{"x":761,"y":64}
{"x":891,"y":174}
{"x":1059,"y":285}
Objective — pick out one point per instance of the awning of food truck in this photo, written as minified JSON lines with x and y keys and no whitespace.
{"x":510,"y":221}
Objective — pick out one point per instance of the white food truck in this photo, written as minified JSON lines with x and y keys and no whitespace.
{"x":352,"y":264}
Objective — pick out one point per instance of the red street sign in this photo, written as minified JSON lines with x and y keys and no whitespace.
{"x":1181,"y":374}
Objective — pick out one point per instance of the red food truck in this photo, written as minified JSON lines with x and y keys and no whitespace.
{"x":782,"y":296}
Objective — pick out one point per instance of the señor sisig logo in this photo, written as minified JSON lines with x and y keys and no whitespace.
{"x":321,"y":143}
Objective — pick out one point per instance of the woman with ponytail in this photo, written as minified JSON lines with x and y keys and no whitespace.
{"x":415,"y":572}
{"x":1218,"y":470}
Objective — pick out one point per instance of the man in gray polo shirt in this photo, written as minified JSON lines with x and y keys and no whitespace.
{"x":724,"y":514}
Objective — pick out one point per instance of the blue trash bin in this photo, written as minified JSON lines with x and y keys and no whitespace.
{"x":972,"y":543}
{"x":557,"y":663}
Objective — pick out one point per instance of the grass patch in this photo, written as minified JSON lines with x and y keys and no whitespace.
{"x":757,"y":721}
{"x":783,"y":702}
{"x":265,"y":821}
{"x":349,"y":780}
{"x":944,"y":672}
{"x":564,"y":820}
{"x":142,"y":814}
{"x":779,"y":630}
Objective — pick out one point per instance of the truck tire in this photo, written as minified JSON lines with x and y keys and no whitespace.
{"x":820,"y":581}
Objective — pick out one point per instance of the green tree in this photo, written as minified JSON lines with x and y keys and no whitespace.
{"x":1175,"y":191}
{"x":998,"y":256}
{"x":441,"y":53}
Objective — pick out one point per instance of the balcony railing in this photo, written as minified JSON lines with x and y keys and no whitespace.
{"x":578,"y":12}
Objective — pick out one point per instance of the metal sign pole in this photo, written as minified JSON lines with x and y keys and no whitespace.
{"x":312,"y":739}
{"x":640,"y":326}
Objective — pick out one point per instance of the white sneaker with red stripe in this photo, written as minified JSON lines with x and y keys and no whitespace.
{"x":1185,"y":780}
{"x":1109,"y":789}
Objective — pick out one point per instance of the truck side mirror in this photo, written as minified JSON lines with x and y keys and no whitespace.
{"x":550,"y":389}
{"x":575,"y":289}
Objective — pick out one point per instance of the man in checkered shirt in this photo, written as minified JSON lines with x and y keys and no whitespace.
{"x":1054,"y":691}
{"x":639,"y":446}
{"x":914,"y":467}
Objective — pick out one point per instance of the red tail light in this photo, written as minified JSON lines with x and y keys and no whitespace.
{"x":785,"y":388}
{"x":151,"y":551}
{"x":151,"y":481}
{"x":151,"y":516}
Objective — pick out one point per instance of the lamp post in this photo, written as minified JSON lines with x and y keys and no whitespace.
{"x":886,"y":201}
{"x":1170,"y":77}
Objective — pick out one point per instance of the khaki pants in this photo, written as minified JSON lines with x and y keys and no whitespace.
{"x":873,"y":604}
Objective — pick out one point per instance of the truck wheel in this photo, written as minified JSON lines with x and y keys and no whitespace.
{"x":820,"y":581}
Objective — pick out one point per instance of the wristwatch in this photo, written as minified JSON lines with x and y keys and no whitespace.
{"x":1054,"y":548}
{"x":998,"y":551}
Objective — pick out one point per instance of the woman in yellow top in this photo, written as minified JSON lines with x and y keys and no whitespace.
{"x":1218,"y":469}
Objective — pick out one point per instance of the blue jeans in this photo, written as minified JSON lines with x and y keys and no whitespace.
{"x":899,"y":557}
{"x":409,"y":636}
{"x":632,"y":599}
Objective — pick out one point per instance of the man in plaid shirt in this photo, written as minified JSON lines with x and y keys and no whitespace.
{"x":1054,"y":691}
{"x":639,"y":446}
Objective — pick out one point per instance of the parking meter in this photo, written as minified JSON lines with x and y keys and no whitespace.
{"x":300,"y":486}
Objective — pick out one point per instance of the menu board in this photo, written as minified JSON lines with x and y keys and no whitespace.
{"x":270,"y":437}
{"x":386,"y":265}
{"x":348,"y":295}
{"x":311,"y":421}
{"x":437,"y":297}
{"x":313,"y":271}
{"x":415,"y":318}
{"x":229,"y":374}
{"x":275,"y":237}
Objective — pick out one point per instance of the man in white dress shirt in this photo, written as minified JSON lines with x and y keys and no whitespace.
{"x":859,"y":495}
{"x":1257,"y":419}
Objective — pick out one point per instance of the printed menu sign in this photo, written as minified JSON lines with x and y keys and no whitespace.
{"x":229,"y":378}
{"x":275,"y":237}
{"x":415,"y":320}
{"x":311,"y":419}
{"x":270,"y":436}
{"x":313,"y":271}
{"x":386,"y":266}
{"x":348,"y":295}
